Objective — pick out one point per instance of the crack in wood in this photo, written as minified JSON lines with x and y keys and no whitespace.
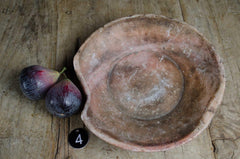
{"x":58,"y":138}
{"x":229,"y":139}
{"x":224,"y":139}
{"x":183,"y":17}
{"x":238,"y":67}
{"x":182,"y":150}
{"x":232,"y":155}
{"x":67,"y":137}
{"x":51,"y":122}
{"x":164,"y":154}
{"x":213,"y":145}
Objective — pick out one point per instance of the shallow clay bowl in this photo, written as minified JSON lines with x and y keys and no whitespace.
{"x":152,"y":83}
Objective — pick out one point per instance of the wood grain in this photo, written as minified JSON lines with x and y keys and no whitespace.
{"x":219,"y":22}
{"x":46,"y":32}
{"x":28,"y":36}
{"x":225,"y":128}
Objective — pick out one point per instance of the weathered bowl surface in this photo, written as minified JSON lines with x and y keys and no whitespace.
{"x":152,"y":83}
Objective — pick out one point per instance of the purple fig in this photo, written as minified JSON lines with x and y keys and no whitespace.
{"x":36,"y":80}
{"x":63,"y":99}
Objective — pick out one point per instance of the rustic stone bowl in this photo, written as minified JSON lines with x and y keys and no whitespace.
{"x":152,"y":83}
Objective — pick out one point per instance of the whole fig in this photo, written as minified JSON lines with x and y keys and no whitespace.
{"x":35,"y":81}
{"x":63,"y":99}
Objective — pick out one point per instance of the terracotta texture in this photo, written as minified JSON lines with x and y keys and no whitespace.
{"x":152,"y":83}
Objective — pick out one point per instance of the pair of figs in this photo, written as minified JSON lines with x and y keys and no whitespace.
{"x":62,"y":99}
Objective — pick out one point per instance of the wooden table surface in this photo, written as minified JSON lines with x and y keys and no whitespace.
{"x":45,"y":32}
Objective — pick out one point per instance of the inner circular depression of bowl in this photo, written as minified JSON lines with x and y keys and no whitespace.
{"x":146,"y":85}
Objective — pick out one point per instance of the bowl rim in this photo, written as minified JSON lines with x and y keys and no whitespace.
{"x":204,"y":121}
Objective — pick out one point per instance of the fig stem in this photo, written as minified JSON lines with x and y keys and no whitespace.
{"x":63,"y":70}
{"x":65,"y":75}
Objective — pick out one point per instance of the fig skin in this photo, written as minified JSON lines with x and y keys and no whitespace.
{"x":36,"y":80}
{"x":63,"y":99}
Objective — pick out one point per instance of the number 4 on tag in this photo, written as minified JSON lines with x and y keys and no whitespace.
{"x":79,"y":139}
